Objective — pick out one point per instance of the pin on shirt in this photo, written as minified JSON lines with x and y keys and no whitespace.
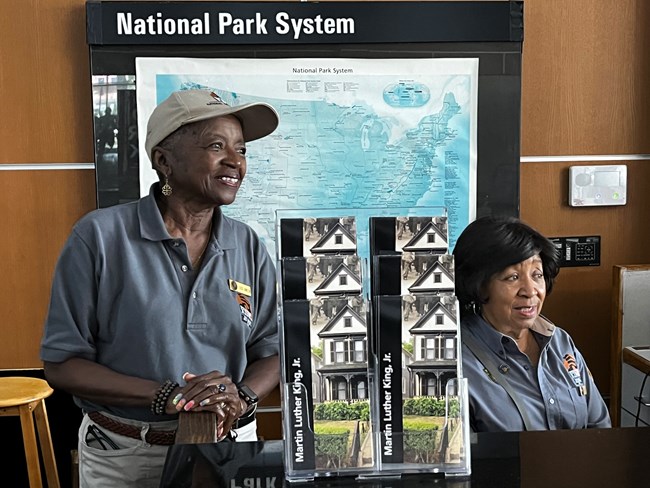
{"x":572,"y":369}
{"x":245,"y":309}
{"x":489,"y":375}
{"x":243,"y":292}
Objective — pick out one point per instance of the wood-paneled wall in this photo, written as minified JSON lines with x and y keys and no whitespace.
{"x":39,"y":208}
{"x":46,"y":111}
{"x":585,"y":78}
{"x":45,"y":91}
{"x":585,"y":91}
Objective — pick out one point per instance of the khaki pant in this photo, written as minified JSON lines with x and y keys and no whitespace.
{"x":135,"y":463}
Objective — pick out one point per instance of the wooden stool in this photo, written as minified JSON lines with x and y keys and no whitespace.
{"x":19,"y":396}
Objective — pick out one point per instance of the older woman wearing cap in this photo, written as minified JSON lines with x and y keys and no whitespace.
{"x":165,"y":304}
{"x":524,"y":372}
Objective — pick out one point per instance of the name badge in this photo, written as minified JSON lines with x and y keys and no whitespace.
{"x":239,"y":287}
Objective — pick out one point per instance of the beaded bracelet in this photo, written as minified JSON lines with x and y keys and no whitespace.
{"x":159,"y":402}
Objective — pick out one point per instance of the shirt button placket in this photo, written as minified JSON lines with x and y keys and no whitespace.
{"x":184,"y":268}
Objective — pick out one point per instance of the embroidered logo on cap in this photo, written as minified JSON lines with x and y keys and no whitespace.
{"x":217,"y":99}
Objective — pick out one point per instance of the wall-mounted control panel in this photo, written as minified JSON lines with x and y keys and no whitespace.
{"x":578,"y":251}
{"x":597,"y":185}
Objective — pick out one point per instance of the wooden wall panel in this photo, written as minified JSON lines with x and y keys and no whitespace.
{"x":269,"y":423}
{"x":585,"y":80}
{"x":38,"y":211}
{"x":45,"y":91}
{"x":585,"y":77}
{"x":581,"y":303}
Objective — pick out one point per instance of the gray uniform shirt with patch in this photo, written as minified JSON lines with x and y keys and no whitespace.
{"x":125,"y":295}
{"x":558,"y":394}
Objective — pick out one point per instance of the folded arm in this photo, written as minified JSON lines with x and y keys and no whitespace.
{"x":99,"y":384}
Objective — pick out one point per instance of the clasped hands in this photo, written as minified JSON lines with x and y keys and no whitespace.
{"x":211,"y":392}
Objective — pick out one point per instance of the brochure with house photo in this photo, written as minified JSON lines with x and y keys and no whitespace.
{"x":332,"y":276}
{"x":329,"y":236}
{"x":308,"y":236}
{"x":320,"y":276}
{"x":325,"y":348}
{"x":427,"y":273}
{"x":327,"y":392}
{"x":417,"y":363}
{"x":339,"y":347}
{"x":421,"y":234}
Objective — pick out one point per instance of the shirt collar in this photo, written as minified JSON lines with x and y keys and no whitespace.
{"x":494,"y":339}
{"x":152,"y":226}
{"x":543,"y":326}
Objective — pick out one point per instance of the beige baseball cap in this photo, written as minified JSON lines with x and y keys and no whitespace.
{"x":187,"y":106}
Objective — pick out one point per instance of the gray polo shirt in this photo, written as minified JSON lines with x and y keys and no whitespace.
{"x":125,"y":296}
{"x":559,"y":393}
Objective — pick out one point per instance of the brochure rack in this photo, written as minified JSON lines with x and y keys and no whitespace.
{"x":371,"y":366}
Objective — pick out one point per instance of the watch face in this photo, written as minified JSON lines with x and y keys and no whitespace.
{"x":247,"y":394}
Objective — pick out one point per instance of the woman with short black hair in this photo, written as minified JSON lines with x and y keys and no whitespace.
{"x":524,"y":373}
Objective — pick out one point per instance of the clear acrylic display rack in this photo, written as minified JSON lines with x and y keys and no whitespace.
{"x":337,"y":418}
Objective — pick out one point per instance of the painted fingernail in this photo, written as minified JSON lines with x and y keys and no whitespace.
{"x":180,"y":404}
{"x":189,"y":405}
{"x":204,"y":402}
{"x":177,"y":398}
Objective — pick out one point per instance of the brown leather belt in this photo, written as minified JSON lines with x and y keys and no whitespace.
{"x":156,"y":437}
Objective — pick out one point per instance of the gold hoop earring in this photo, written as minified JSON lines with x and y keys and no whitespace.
{"x":166,"y":189}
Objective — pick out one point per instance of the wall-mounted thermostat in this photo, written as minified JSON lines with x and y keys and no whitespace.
{"x":597,"y":185}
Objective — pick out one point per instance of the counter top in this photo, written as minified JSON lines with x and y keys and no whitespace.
{"x":581,"y":458}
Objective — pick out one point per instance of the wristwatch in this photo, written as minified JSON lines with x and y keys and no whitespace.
{"x":247,"y":395}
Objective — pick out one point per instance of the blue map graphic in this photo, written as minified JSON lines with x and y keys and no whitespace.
{"x":327,"y":155}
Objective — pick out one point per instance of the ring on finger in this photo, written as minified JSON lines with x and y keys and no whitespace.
{"x":223,"y":406}
{"x":221,"y":387}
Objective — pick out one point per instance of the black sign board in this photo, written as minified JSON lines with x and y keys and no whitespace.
{"x":132,"y":23}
